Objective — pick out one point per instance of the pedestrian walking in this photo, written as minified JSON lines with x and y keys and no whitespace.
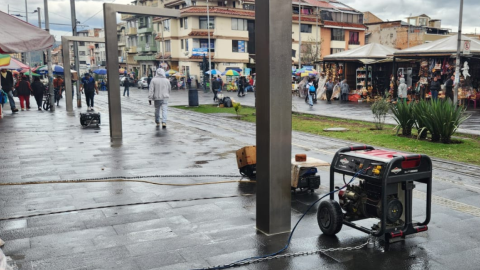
{"x":449,"y":88}
{"x":189,"y":83}
{"x":88,"y":85}
{"x":403,"y":90}
{"x":241,"y":87}
{"x":345,"y":90}
{"x":434,"y":88}
{"x":149,"y":80}
{"x":38,"y":88}
{"x":126,"y":87}
{"x":24,"y":91}
{"x":310,"y":93}
{"x":215,"y":87}
{"x":329,"y":90}
{"x":7,"y":85}
{"x":58,"y":88}
{"x":159,"y":92}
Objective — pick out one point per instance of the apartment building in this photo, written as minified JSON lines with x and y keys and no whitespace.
{"x":83,"y":53}
{"x":326,"y":27}
{"x":122,"y":53}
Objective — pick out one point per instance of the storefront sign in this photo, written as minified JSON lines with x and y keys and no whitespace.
{"x":466,"y":47}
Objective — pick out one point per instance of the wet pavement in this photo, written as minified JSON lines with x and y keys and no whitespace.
{"x":184,"y":227}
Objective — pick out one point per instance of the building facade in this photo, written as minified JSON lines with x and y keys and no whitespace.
{"x":400,"y":35}
{"x":324,"y":27}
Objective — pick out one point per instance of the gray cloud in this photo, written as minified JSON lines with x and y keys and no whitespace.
{"x":445,"y":10}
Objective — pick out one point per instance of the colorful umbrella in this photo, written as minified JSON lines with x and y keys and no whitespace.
{"x":15,"y":72}
{"x":122,"y":70}
{"x":100,"y":71}
{"x":55,"y":68}
{"x":179,"y":74}
{"x":231,"y":73}
{"x":214,"y":72}
{"x":4,"y":59}
{"x":171,"y":71}
{"x":33,"y":74}
{"x":15,"y":64}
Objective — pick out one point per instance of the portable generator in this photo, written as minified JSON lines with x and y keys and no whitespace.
{"x":90,"y":118}
{"x":383,"y":192}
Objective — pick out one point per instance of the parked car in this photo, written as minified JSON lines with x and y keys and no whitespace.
{"x":142,"y":83}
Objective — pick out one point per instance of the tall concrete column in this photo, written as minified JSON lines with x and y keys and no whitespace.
{"x":273,"y":30}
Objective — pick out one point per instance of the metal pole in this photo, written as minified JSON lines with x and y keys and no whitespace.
{"x":408,"y":31}
{"x":274,"y":118}
{"x":316,"y":36}
{"x":75,"y":51}
{"x":39,"y":21}
{"x":299,"y":35}
{"x":67,"y":74}
{"x":28,"y":53}
{"x":209,"y":56}
{"x":49,"y":60}
{"x":457,"y":63}
{"x":163,"y":45}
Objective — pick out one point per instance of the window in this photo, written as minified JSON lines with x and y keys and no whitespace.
{"x":248,"y":6}
{"x":167,"y":45}
{"x":185,"y":23}
{"x":239,"y":24}
{"x":338,"y":34}
{"x":336,"y":50}
{"x":326,"y":15}
{"x":233,"y":3}
{"x":422,"y":21}
{"x":141,"y":38}
{"x":354,"y":38}
{"x":181,"y":23}
{"x":83,"y":62}
{"x":238,"y":46}
{"x":177,"y":7}
{"x":203,"y":23}
{"x":81,"y":43}
{"x":306,"y":28}
{"x":221,"y":4}
{"x":181,"y":43}
{"x":186,"y":44}
{"x":142,"y":22}
{"x":81,"y":53}
{"x":194,"y":3}
{"x":204,"y":44}
{"x":412,"y":21}
{"x":166,"y":25}
{"x":148,"y":39}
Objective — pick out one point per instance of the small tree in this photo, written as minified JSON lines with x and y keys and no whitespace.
{"x":380,"y":109}
{"x":237,"y":108}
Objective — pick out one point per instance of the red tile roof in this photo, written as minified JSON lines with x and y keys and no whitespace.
{"x":306,"y":19}
{"x":343,"y":24}
{"x":200,"y":33}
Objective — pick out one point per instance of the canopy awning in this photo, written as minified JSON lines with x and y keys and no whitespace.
{"x":364,"y":53}
{"x":442,"y":47}
{"x":19,"y":36}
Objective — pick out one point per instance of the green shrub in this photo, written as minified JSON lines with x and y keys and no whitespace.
{"x":380,"y":109}
{"x":403,"y":115}
{"x":237,"y":107}
{"x":452,"y":117}
{"x":420,"y":110}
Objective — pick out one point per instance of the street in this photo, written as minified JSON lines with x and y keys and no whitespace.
{"x":131,"y":225}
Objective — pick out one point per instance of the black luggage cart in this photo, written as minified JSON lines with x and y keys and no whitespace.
{"x":90,"y":118}
{"x":384,"y":192}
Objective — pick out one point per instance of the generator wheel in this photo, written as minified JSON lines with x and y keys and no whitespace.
{"x":330,"y":217}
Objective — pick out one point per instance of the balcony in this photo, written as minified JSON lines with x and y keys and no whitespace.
{"x":121,"y":43}
{"x":143,"y":30}
{"x":132,"y":49}
{"x":144,"y":57}
{"x":131,"y":32}
{"x":126,"y":17}
{"x":146,"y":48}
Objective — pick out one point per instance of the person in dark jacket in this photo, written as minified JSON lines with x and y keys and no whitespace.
{"x":38,"y":88}
{"x":24,"y":90}
{"x":6,"y":78}
{"x":241,"y":87}
{"x":329,"y":90}
{"x":215,"y":87}
{"x":449,"y":88}
{"x":434,"y":88}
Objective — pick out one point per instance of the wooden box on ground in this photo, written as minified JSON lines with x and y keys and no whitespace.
{"x":246,"y":156}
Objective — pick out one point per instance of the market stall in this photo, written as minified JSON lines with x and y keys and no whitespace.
{"x":437,"y":59}
{"x":356,"y":66}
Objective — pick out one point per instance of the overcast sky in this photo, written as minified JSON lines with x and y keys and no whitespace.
{"x":445,"y":10}
{"x":90,"y":12}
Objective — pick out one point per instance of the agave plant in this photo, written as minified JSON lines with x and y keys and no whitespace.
{"x":420,"y":111}
{"x":403,"y":115}
{"x":430,"y":118}
{"x":452,"y":117}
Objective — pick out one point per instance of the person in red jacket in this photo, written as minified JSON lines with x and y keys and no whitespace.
{"x":24,"y":90}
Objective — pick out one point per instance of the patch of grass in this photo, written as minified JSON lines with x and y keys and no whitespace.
{"x":464,"y":149}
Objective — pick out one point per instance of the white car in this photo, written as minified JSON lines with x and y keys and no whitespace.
{"x":142,"y":83}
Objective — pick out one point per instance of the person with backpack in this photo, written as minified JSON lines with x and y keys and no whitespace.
{"x":38,"y":88}
{"x":310,"y":93}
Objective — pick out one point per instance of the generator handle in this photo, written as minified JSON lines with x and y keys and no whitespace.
{"x":356,"y":148}
{"x":410,"y":157}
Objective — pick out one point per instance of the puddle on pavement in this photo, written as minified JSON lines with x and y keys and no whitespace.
{"x":201,"y":162}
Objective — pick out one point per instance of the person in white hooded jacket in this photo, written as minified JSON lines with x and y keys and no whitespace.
{"x":402,"y":90}
{"x":159,"y":92}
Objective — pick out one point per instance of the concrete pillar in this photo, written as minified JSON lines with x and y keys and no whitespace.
{"x":273,"y":30}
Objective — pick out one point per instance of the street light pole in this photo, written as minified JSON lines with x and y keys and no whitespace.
{"x":457,"y":63}
{"x":49,"y":60}
{"x":28,"y":53}
{"x":209,"y":56}
{"x":75,"y":50}
{"x":299,"y":35}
